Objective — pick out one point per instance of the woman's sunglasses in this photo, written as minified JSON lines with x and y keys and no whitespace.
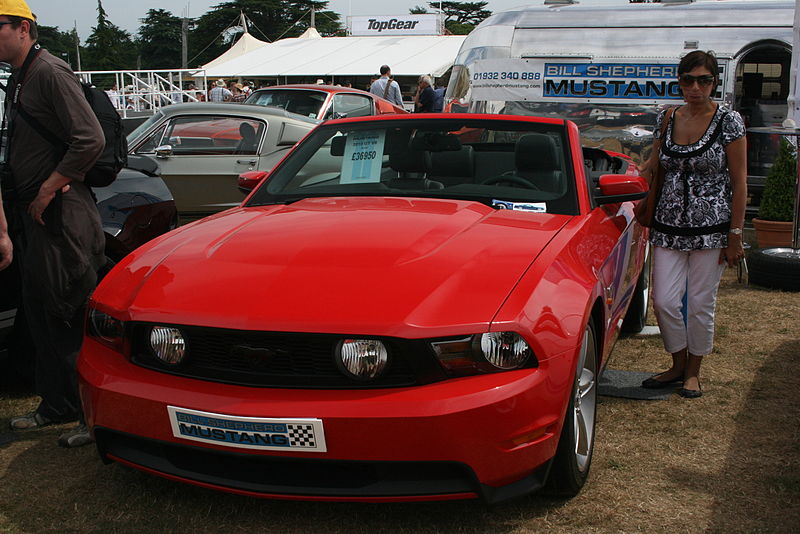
{"x":687,"y":80}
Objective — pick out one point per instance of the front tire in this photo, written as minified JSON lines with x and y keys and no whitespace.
{"x":573,"y":457}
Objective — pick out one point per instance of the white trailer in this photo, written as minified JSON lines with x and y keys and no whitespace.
{"x":611,"y":67}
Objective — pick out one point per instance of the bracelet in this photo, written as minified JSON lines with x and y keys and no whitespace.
{"x":735,"y":231}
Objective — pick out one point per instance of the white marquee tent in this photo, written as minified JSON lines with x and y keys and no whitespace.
{"x":246,"y":43}
{"x":313,"y":55}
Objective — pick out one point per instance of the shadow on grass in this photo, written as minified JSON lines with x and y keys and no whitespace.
{"x":81,"y":494}
{"x":758,"y":488}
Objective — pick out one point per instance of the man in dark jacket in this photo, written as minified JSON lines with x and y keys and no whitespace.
{"x":54,"y":223}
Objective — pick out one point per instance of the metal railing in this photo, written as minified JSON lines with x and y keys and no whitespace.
{"x":147,"y":90}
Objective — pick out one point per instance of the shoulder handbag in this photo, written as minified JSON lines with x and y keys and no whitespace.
{"x":645,"y":210}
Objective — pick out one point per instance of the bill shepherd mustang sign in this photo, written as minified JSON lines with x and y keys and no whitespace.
{"x":561,"y":80}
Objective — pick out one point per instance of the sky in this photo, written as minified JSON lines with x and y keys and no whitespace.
{"x":126,"y":13}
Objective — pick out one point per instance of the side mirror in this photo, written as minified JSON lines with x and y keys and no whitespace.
{"x":163,"y":151}
{"x":621,"y":188}
{"x":250,"y":179}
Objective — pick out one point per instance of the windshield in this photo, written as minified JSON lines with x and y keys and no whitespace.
{"x":303,"y":102}
{"x":143,"y":127}
{"x":506,"y":164}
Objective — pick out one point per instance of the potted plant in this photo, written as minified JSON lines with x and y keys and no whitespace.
{"x":774,"y":222}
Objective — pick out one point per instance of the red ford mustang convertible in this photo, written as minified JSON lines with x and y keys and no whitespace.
{"x":407,"y":308}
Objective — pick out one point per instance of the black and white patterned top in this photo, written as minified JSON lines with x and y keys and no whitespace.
{"x":694,"y":210}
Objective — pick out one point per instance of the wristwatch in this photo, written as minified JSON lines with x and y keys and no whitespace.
{"x":735,"y":231}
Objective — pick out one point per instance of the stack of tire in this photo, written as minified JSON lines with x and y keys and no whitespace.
{"x":776,"y":268}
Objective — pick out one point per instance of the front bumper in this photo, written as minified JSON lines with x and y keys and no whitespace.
{"x":488,"y":436}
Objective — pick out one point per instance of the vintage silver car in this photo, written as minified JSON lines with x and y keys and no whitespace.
{"x":202,"y":148}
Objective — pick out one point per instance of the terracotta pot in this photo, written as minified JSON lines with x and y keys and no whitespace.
{"x":773,"y":233}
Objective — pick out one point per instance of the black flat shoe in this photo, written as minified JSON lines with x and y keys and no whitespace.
{"x":691,"y":393}
{"x":652,"y":383}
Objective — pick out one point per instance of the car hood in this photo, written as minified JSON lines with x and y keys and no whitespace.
{"x":380,"y":266}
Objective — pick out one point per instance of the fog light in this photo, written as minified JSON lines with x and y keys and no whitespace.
{"x":168,"y":344}
{"x":505,"y":350}
{"x":362,"y":359}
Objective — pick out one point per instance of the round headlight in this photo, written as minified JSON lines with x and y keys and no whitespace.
{"x":362,"y":359}
{"x":168,"y":344}
{"x":505,"y":350}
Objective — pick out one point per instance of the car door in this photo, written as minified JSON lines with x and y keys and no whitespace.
{"x":201,"y":158}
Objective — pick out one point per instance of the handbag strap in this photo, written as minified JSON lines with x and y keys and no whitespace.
{"x":386,"y":89}
{"x":658,"y":181}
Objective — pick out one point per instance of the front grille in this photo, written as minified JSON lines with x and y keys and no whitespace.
{"x":280,"y":359}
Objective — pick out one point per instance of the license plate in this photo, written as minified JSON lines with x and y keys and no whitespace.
{"x":273,"y":434}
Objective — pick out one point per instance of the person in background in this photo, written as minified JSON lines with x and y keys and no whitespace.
{"x":55,"y":227}
{"x":387,"y":88}
{"x":113,"y":95}
{"x":697,"y":228}
{"x":438,"y":99}
{"x":425,"y":97}
{"x":238,"y":95}
{"x":219,"y":93}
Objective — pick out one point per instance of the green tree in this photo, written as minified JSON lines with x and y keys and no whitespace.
{"x":271,"y":19}
{"x":60,"y":44}
{"x":108,"y":47}
{"x":460,"y":18}
{"x":159,"y":40}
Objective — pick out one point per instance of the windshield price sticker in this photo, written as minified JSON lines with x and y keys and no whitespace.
{"x":363,"y":157}
{"x":544,"y":80}
{"x":538,"y":207}
{"x":299,"y":435}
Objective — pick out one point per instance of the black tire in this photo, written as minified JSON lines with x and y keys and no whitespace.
{"x":570,"y":467}
{"x":636,"y":317}
{"x":776,"y":268}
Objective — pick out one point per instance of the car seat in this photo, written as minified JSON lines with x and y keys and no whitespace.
{"x":412,"y":167}
{"x":453,"y":167}
{"x":536,"y":159}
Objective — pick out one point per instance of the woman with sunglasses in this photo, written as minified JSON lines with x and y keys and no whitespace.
{"x":697,"y":228}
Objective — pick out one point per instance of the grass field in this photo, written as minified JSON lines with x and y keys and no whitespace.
{"x":726,"y":463}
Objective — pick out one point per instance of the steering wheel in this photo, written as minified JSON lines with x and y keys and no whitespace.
{"x":510,"y":178}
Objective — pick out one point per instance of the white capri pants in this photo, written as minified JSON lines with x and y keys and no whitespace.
{"x":696,"y":273}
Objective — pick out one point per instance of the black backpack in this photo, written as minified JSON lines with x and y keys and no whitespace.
{"x":115,"y":154}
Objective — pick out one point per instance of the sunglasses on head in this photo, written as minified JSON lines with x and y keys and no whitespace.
{"x":687,"y":80}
